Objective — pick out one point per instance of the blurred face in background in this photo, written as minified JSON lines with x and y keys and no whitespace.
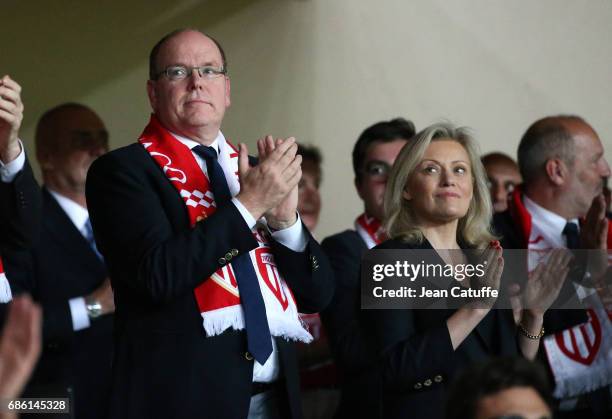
{"x":309,"y":198}
{"x":379,"y":159}
{"x":503,"y":176}
{"x":78,"y":136}
{"x":516,"y":402}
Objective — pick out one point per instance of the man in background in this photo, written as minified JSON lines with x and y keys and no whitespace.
{"x":561,"y":205}
{"x":309,"y":198}
{"x":64,"y":272}
{"x":503,"y":176}
{"x":373,"y":155}
{"x":501,"y":388}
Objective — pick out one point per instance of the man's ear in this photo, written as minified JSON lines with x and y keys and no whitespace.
{"x":557,"y":171}
{"x":152,"y":94}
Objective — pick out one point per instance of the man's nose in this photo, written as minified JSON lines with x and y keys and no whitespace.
{"x":605,"y":169}
{"x":196,"y":81}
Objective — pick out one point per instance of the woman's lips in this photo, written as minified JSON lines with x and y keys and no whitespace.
{"x":448,"y":195}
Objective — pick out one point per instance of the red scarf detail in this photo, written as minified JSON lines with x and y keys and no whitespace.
{"x":218,"y":297}
{"x":372,"y":227}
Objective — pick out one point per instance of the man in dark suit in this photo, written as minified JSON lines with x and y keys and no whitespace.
{"x":207,"y":293}
{"x":64,"y":272}
{"x":562,"y":164}
{"x":373,"y":155}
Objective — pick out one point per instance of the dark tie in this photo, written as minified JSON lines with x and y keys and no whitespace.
{"x":89,"y":236}
{"x":578,"y":265}
{"x":256,"y":321}
{"x":571,"y":235}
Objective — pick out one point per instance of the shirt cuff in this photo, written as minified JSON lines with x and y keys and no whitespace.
{"x":78,"y":311}
{"x":9,"y":171}
{"x":292,"y":237}
{"x":246,"y":215}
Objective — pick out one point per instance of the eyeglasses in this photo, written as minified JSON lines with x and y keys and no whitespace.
{"x":377,"y":169}
{"x":180,"y":72}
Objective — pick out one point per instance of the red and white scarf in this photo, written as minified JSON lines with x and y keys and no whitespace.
{"x":5,"y":288}
{"x":218,"y":297}
{"x":579,"y":357}
{"x":370,"y":230}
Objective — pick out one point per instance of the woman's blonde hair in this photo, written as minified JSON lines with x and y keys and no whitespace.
{"x":474,"y":229}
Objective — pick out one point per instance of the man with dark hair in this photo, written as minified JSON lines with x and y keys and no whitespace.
{"x":560,"y":205}
{"x":501,"y":388}
{"x":209,"y":260}
{"x":373,"y":155}
{"x":503,"y":176}
{"x":64,"y":272}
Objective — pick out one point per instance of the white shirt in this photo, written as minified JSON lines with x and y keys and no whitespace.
{"x":292,"y":237}
{"x":79,"y":216}
{"x":547,"y":233}
{"x":547,"y":224}
{"x":9,"y":171}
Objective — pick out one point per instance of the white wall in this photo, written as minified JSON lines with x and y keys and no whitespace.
{"x":323,"y":70}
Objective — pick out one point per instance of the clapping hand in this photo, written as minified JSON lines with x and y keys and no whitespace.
{"x":11,"y":115}
{"x":545,"y":282}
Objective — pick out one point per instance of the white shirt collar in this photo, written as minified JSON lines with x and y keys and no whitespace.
{"x":548,"y":222}
{"x":191,"y":144}
{"x":77,"y":214}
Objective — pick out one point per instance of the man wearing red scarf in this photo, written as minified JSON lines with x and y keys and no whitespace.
{"x":561,"y":204}
{"x":208,"y":258}
{"x":373,"y":155}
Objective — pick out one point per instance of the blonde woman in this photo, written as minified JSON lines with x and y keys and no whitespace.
{"x":437,"y":199}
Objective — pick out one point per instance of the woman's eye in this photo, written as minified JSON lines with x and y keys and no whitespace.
{"x":460,"y":170}
{"x":431,"y":169}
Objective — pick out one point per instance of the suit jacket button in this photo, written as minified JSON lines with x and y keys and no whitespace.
{"x":314,"y":262}
{"x":234,"y":252}
{"x":248,"y":356}
{"x":222,"y":261}
{"x":228,"y":256}
{"x":438,"y":379}
{"x":427,"y":382}
{"x":418,"y":386}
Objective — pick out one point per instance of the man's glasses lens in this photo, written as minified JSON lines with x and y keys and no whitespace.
{"x":377,"y":169}
{"x":179,"y":72}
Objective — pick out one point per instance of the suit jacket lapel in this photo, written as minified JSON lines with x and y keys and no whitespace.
{"x":64,"y":232}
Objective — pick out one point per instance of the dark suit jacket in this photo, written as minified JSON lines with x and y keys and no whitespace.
{"x":165,"y":365}
{"x":359,"y":382}
{"x":417,"y":360}
{"x":60,"y":267}
{"x":20,"y":206}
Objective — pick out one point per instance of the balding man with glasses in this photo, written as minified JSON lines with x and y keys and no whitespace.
{"x":209,"y":260}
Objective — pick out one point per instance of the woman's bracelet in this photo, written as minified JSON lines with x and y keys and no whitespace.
{"x":526,"y":333}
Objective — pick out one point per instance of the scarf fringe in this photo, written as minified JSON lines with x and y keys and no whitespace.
{"x":218,"y":321}
{"x":572,"y":388}
{"x":5,"y":289}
